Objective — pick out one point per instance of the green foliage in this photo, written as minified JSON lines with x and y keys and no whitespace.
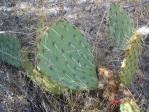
{"x":128,"y":105}
{"x":10,"y":49}
{"x":64,"y":54}
{"x":121,"y":27}
{"x":97,"y":110}
{"x":131,"y":60}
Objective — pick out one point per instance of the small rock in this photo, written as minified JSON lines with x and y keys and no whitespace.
{"x":105,"y":5}
{"x":81,"y":1}
{"x":53,"y":0}
{"x":93,"y":34}
{"x":93,"y":8}
{"x":68,"y":6}
{"x":96,"y":15}
{"x":88,"y":8}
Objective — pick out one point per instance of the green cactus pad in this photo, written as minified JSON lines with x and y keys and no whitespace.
{"x":121,"y":26}
{"x":131,"y":60}
{"x":37,"y":77}
{"x":129,"y":105}
{"x":64,"y":54}
{"x":10,"y":49}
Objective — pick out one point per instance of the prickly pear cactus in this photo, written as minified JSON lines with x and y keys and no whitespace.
{"x":131,"y":60}
{"x":129,"y":105}
{"x":10,"y":49}
{"x":121,"y":27}
{"x":37,"y":77}
{"x":64,"y":54}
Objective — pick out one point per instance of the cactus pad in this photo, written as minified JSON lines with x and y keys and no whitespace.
{"x":10,"y":49}
{"x":121,"y":27}
{"x":37,"y":77}
{"x":64,"y":54}
{"x":131,"y":60}
{"x":129,"y":105}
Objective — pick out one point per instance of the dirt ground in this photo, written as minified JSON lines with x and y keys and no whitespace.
{"x":20,"y":18}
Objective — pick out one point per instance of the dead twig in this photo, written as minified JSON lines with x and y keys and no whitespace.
{"x":137,"y":5}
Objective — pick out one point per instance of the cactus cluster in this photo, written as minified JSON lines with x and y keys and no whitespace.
{"x":64,"y":59}
{"x":64,"y":55}
{"x":10,"y":49}
{"x":121,"y":29}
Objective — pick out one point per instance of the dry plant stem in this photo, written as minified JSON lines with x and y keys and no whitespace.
{"x":18,"y":32}
{"x":97,"y":37}
{"x":137,"y":5}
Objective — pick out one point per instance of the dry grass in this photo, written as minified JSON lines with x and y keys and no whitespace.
{"x":19,"y":94}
